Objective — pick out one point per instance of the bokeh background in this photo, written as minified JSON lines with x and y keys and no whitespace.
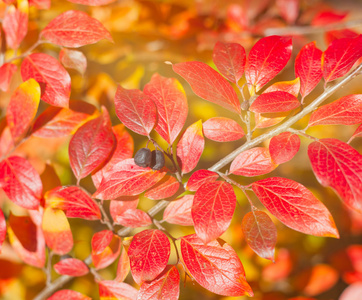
{"x":146,"y":35}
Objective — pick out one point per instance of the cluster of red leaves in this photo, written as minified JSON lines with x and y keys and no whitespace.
{"x":105,"y":152}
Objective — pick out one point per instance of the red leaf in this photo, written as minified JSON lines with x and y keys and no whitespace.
{"x":338,"y":165}
{"x":327,"y":17}
{"x":15,"y":24}
{"x":340,"y":57}
{"x":260,"y":233}
{"x":92,"y":2}
{"x":72,"y":267}
{"x":109,"y":289}
{"x":295,"y":206}
{"x":124,"y":150}
{"x":53,"y":79}
{"x":25,"y":231}
{"x":7,"y":71}
{"x":59,"y":122}
{"x":266,"y":59}
{"x":123,"y":267}
{"x":75,"y":29}
{"x":212,"y":209}
{"x":215,"y":267}
{"x":179,"y":211}
{"x":22,"y":108}
{"x":190,"y":147}
{"x":253,"y":162}
{"x":284,"y":147}
{"x":20,"y":182}
{"x":127,"y":180}
{"x":352,"y":292}
{"x":229,"y":60}
{"x":2,"y":228}
{"x":345,"y":111}
{"x":288,"y":9}
{"x":291,"y":87}
{"x":208,"y":84}
{"x":339,"y":34}
{"x":101,"y":240}
{"x":263,"y":122}
{"x":221,"y":129}
{"x":22,"y":228}
{"x":108,"y":255}
{"x":148,"y":253}
{"x":57,"y":233}
{"x":165,"y":188}
{"x":199,"y":177}
{"x":74,"y":201}
{"x":133,"y":218}
{"x":308,"y":67}
{"x":171,"y":103}
{"x":135,"y":110}
{"x":165,"y":286}
{"x":73,"y":59}
{"x":69,"y":295}
{"x":118,"y":207}
{"x":274,"y":102}
{"x":91,"y":145}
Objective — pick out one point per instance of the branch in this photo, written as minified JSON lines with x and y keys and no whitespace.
{"x":227,"y":159}
{"x":297,"y":30}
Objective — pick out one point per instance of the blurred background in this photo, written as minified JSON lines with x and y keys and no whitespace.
{"x":147,"y":34}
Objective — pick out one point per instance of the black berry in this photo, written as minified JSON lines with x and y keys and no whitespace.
{"x":158,"y":160}
{"x":143,"y":158}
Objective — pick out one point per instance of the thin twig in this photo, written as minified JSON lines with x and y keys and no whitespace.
{"x":27,"y":52}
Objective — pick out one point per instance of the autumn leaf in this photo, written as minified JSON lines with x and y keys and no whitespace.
{"x":165,"y":188}
{"x":118,"y":207}
{"x":75,"y":202}
{"x":15,"y":24}
{"x":68,"y":294}
{"x":221,"y":129}
{"x":308,"y":67}
{"x":57,"y":233}
{"x":344,"y":111}
{"x":91,"y":145}
{"x":133,"y":218}
{"x":100,"y":240}
{"x":291,"y":87}
{"x":215,"y":266}
{"x":22,"y":108}
{"x":212,"y":209}
{"x":273,"y":102}
{"x":253,"y":162}
{"x":284,"y":147}
{"x":75,"y":29}
{"x":190,"y":147}
{"x":135,"y":110}
{"x":73,"y":59}
{"x":208,"y":84}
{"x":127,"y":179}
{"x":109,"y":254}
{"x":229,"y":58}
{"x":7,"y":72}
{"x":295,"y":206}
{"x":199,"y":177}
{"x":109,"y":289}
{"x":53,"y":79}
{"x":171,"y":103}
{"x":123,"y":266}
{"x":148,"y":254}
{"x":340,"y":57}
{"x":20,"y":182}
{"x":71,"y":267}
{"x":179,"y":211}
{"x":165,"y":286}
{"x":338,"y":165}
{"x":260,"y":233}
{"x":266,"y":59}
